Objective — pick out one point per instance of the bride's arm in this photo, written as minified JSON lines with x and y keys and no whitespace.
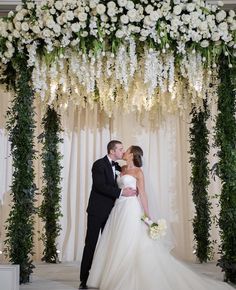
{"x":142,"y":192}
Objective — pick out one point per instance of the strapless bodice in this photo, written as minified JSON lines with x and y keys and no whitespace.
{"x":126,"y":181}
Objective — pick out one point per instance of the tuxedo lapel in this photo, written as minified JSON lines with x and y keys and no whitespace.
{"x":109,"y":169}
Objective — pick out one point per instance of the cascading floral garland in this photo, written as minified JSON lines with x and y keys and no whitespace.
{"x":138,"y":54}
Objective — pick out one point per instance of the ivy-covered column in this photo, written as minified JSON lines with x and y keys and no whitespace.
{"x":21,"y":125}
{"x":226,"y":167}
{"x":50,"y":209}
{"x":199,"y":150}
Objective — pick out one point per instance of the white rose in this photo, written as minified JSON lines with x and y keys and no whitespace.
{"x":231,"y":13}
{"x":154,"y":16}
{"x":75,"y":27}
{"x":82,"y":16}
{"x":92,"y":4}
{"x":84,"y":34}
{"x":35,"y":29}
{"x":104,"y":18}
{"x":220,"y":3}
{"x":18,"y":7}
{"x":186,"y":18}
{"x":129,"y":5}
{"x":221,"y":15}
{"x":50,"y":22}
{"x":70,"y":15}
{"x":177,"y":10}
{"x":25,"y":26}
{"x":190,"y":7}
{"x":46,"y":32}
{"x":147,"y":21}
{"x":215,"y":36}
{"x":10,"y":14}
{"x":111,"y":5}
{"x":204,"y":43}
{"x":119,"y":33}
{"x":149,"y":9}
{"x":122,"y":3}
{"x":124,"y":19}
{"x":223,"y":26}
{"x":57,"y":28}
{"x":101,"y":9}
{"x":203,"y":26}
{"x":111,"y":12}
{"x":132,"y":14}
{"x":58,"y":5}
{"x":30,"y":5}
{"x":19,"y":16}
{"x":144,"y":32}
{"x":16,"y":33}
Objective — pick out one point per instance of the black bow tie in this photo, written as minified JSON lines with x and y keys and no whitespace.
{"x":113,"y":163}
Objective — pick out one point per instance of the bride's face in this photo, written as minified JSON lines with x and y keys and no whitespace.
{"x":128,"y":156}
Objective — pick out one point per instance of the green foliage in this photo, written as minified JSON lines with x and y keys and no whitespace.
{"x":21,"y":125}
{"x":226,"y":168}
{"x":199,"y":150}
{"x":50,"y":208}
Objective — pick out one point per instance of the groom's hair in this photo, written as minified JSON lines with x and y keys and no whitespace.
{"x":112,"y":145}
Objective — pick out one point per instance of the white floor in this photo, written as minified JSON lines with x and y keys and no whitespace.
{"x":65,"y":276}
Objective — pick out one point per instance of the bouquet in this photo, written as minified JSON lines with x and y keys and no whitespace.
{"x":155,"y":229}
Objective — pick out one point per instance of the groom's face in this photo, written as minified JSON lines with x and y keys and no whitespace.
{"x":118,"y":151}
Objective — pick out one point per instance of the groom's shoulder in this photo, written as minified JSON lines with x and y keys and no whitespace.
{"x":100,"y":161}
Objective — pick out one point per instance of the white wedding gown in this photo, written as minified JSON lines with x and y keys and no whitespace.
{"x":127,"y":259}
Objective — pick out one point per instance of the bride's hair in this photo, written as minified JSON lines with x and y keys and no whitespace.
{"x":137,"y":155}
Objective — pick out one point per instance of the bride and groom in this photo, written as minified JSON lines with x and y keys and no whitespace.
{"x":125,"y":257}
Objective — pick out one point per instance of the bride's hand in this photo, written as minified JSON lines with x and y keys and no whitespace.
{"x":128,"y":191}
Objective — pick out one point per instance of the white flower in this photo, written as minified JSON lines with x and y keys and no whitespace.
{"x":111,"y":5}
{"x":117,"y":173}
{"x":177,"y":10}
{"x":58,"y":5}
{"x":220,"y":16}
{"x":129,"y":5}
{"x":111,"y":12}
{"x":56,"y":28}
{"x":204,"y":43}
{"x":220,"y":3}
{"x":119,"y":33}
{"x":124,"y":19}
{"x":16,"y":33}
{"x":70,"y":15}
{"x":190,"y":7}
{"x":149,"y":9}
{"x":122,"y":3}
{"x":46,"y":33}
{"x":132,"y":14}
{"x":231,"y":13}
{"x":82,"y":16}
{"x":223,"y":26}
{"x":154,"y":16}
{"x":35,"y":29}
{"x":92,"y":4}
{"x":215,"y":36}
{"x":101,"y":9}
{"x":25,"y":26}
{"x":75,"y":27}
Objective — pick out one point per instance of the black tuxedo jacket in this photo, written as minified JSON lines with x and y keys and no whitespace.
{"x":104,"y":189}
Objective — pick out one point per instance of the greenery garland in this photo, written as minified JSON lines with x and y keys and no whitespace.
{"x":50,"y":208}
{"x":199,"y":150}
{"x":226,"y":168}
{"x":21,"y":124}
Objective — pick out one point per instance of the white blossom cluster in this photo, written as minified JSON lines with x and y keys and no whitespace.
{"x":139,"y":53}
{"x":110,"y":80}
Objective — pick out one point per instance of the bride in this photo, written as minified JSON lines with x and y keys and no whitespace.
{"x":126,"y":258}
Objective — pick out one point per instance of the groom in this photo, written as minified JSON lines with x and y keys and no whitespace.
{"x":102,"y":198}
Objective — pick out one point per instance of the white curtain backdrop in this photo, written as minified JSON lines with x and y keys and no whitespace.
{"x":86,"y":134}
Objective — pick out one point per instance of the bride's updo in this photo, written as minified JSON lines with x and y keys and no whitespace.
{"x":137,"y":155}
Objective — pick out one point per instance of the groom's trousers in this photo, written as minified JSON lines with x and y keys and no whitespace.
{"x":95,"y":224}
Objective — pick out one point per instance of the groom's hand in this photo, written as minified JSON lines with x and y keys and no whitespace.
{"x":128,"y":191}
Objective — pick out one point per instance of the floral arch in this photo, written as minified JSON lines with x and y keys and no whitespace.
{"x":169,"y":55}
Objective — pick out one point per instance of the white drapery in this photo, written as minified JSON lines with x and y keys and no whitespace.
{"x":86,"y":134}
